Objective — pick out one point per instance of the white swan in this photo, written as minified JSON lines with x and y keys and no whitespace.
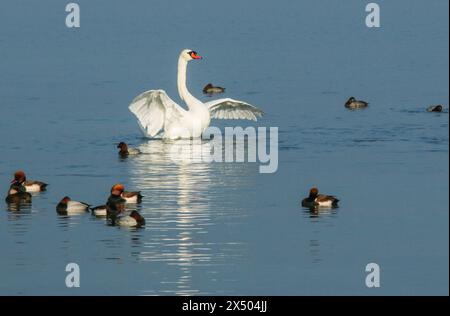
{"x":160,"y":116}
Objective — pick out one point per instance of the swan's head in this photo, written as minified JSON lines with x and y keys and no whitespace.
{"x":189,"y":54}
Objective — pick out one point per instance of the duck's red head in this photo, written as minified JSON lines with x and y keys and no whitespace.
{"x":117,"y":189}
{"x":123,"y":146}
{"x":19,"y":177}
{"x":313,"y":192}
{"x":65,"y":200}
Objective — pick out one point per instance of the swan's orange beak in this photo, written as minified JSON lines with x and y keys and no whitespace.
{"x":194,"y":55}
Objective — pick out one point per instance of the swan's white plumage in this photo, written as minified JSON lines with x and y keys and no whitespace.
{"x":155,"y":110}
{"x":159,"y":115}
{"x":230,"y":109}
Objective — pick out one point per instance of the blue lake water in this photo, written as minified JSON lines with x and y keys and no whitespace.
{"x":224,"y":228}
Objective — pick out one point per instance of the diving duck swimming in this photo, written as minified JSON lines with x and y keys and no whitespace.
{"x":17,"y":192}
{"x":30,"y":185}
{"x":210,"y":89}
{"x":133,"y":197}
{"x":127,"y":151}
{"x":319,"y":200}
{"x":435,"y":108}
{"x":115,"y":204}
{"x":17,"y":195}
{"x":69,"y":207}
{"x":353,"y":104}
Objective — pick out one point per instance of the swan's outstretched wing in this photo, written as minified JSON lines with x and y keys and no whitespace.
{"x":229,"y":109}
{"x":154,"y":109}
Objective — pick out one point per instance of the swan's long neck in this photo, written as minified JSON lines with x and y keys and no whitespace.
{"x":185,"y":95}
{"x":181,"y":80}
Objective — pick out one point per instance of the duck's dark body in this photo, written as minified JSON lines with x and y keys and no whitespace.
{"x":114,"y":206}
{"x":435,"y":108}
{"x":210,"y":89}
{"x":20,"y":194}
{"x":353,"y":104}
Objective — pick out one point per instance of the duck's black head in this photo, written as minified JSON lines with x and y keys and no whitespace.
{"x":122,"y":145}
{"x":350,"y":100}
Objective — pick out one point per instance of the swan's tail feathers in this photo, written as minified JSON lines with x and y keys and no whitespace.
{"x":149,"y":110}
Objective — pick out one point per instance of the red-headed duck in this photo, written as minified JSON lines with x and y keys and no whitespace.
{"x":30,"y":185}
{"x":127,"y":151}
{"x":67,"y":206}
{"x":17,"y":192}
{"x":115,"y":204}
{"x":129,"y":197}
{"x":315,"y":199}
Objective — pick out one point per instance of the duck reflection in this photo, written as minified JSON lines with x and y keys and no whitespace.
{"x":316,"y":211}
{"x":180,"y":191}
{"x":322,"y":218}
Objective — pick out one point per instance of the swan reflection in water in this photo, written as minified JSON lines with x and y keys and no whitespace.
{"x":185,"y":201}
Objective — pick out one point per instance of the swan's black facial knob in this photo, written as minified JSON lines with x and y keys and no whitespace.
{"x":194,"y":55}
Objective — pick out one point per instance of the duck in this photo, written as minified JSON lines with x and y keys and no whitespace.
{"x":35,"y":186}
{"x":67,"y":206}
{"x":352,"y":103}
{"x":17,"y":195}
{"x":115,"y":204}
{"x":30,"y":185}
{"x":435,"y":108}
{"x":118,"y":190}
{"x":319,"y":200}
{"x":99,"y":211}
{"x":133,"y":220}
{"x":210,"y":89}
{"x":126,"y":151}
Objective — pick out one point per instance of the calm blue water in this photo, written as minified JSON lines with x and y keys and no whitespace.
{"x":221,"y":228}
